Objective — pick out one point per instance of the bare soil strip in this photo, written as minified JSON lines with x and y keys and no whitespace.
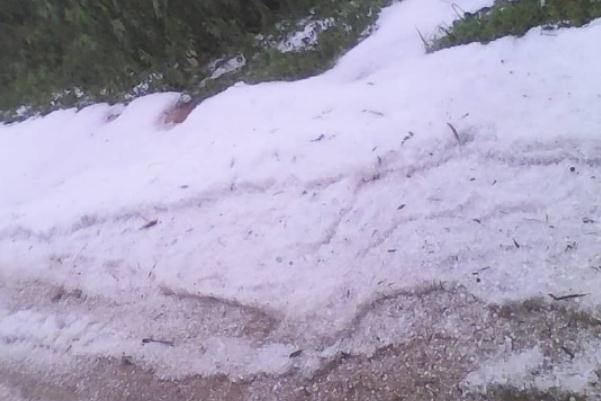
{"x":452,"y":335}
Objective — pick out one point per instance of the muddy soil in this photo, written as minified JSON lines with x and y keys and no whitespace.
{"x":452,"y":335}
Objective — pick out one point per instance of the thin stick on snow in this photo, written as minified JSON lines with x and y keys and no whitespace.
{"x":455,"y":133}
{"x":569,"y":296}
{"x":455,"y":8}
{"x":163,"y":342}
{"x":426,"y":45}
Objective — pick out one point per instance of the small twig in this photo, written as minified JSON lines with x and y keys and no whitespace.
{"x":319,"y":138}
{"x":407,"y":137}
{"x":151,"y":270}
{"x":152,"y":340}
{"x":150,"y":224}
{"x":374,"y":112}
{"x":296,"y":354}
{"x":517,"y":244}
{"x":569,"y":296}
{"x":456,"y":7}
{"x":426,"y":45}
{"x":455,"y":133}
{"x":481,"y":270}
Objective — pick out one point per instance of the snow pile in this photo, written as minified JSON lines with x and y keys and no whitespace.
{"x":306,"y":200}
{"x":511,"y":370}
{"x":527,"y":369}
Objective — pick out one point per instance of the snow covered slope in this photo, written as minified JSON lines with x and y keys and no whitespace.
{"x":292,"y":205}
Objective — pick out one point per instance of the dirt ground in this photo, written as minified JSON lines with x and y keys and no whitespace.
{"x":452,"y":334}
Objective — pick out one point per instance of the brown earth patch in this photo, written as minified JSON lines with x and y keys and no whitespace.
{"x":452,"y":335}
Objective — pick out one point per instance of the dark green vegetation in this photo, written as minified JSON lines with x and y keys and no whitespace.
{"x":58,"y":53}
{"x":516,"y":18}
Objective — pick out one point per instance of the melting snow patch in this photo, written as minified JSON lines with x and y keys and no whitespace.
{"x":530,"y":369}
{"x":577,"y":374}
{"x":516,"y":370}
{"x":226,"y":66}
{"x":307,"y":38}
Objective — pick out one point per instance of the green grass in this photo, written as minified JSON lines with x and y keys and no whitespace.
{"x":269,"y":64}
{"x":515,"y":18}
{"x":47,"y":69}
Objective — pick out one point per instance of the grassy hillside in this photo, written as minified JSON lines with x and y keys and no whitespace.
{"x":515,"y":18}
{"x":59,"y":53}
